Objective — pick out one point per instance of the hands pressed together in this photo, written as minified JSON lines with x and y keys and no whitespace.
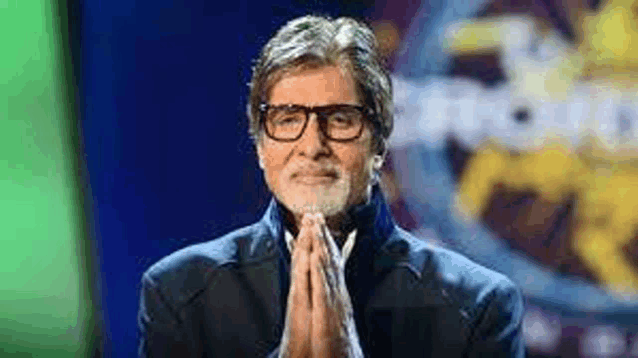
{"x":319,"y":317}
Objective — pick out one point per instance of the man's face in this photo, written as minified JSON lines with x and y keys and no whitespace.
{"x":313,"y":173}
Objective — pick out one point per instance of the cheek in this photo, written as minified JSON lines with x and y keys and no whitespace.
{"x":274,"y":162}
{"x":357,"y":158}
{"x":358,"y":164}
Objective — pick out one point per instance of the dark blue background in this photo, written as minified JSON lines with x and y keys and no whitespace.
{"x":169,"y":158}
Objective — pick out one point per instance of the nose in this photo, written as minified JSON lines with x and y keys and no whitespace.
{"x":312,"y":142}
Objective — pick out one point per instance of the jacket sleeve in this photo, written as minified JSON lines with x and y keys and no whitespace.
{"x":161,"y":330}
{"x":498,"y":332}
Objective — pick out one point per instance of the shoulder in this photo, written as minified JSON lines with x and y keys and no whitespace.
{"x":488,"y":303}
{"x":458,"y":279}
{"x":183,"y":274}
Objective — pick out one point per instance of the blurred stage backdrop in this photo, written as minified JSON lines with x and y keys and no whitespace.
{"x":516,"y":143}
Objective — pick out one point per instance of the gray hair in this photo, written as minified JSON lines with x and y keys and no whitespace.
{"x":315,"y":41}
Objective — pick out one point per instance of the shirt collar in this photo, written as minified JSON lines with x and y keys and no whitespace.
{"x":345,"y":250}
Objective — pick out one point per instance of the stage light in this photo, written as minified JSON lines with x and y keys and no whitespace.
{"x":602,"y":341}
{"x":542,"y":332}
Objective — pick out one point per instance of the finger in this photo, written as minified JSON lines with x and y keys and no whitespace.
{"x":327,"y":236}
{"x":331,"y":259}
{"x":300,"y":280}
{"x":300,"y":274}
{"x":304,"y":239}
{"x":325,"y":278}
{"x":320,"y":283}
{"x":318,"y":243}
{"x":323,"y":325}
{"x":323,"y":262}
{"x":326,"y":242}
{"x":316,"y":281}
{"x":331,"y":264}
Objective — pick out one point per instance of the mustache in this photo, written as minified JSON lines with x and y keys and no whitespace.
{"x":324,"y":169}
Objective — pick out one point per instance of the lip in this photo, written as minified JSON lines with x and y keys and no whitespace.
{"x":315,"y":178}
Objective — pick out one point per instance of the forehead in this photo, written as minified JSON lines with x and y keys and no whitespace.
{"x":315,"y":87}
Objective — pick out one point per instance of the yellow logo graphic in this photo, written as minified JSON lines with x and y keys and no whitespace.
{"x":601,"y":170}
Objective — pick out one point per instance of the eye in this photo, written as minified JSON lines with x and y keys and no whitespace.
{"x":286,"y":118}
{"x":341,"y":119}
{"x":290,"y":120}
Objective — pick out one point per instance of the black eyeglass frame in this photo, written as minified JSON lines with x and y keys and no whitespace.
{"x":367,"y":112}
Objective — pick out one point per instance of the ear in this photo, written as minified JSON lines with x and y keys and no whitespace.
{"x":377,"y":161}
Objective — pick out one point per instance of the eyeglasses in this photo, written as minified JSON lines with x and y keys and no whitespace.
{"x":338,"y":122}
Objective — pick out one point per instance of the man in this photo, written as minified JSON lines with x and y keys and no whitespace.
{"x":325,"y":272}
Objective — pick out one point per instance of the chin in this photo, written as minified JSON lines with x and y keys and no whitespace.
{"x":326,"y":199}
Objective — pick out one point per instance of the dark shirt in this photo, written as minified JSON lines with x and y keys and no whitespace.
{"x":227,"y":297}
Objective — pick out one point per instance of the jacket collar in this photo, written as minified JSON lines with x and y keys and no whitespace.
{"x":373,"y":221}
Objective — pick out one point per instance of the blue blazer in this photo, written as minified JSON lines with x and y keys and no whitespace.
{"x":227,"y":297}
